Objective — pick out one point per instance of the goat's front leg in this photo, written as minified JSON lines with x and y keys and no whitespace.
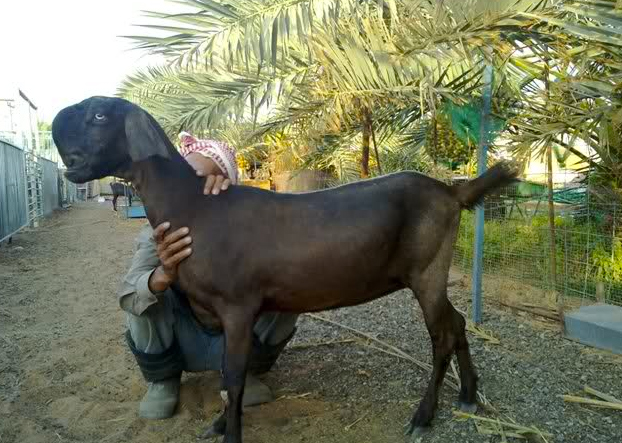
{"x":238,"y":328}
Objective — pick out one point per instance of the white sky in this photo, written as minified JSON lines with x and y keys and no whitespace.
{"x":62,"y":51}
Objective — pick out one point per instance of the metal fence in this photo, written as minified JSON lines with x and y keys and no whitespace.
{"x":13,"y":199}
{"x":41,"y":144}
{"x":17,"y":139}
{"x":50,"y":174}
{"x":587,"y":251}
{"x":67,"y":191}
{"x":47,"y":148}
{"x":30,"y":187}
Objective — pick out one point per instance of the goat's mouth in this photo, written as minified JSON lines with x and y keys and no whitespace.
{"x":79,"y":175}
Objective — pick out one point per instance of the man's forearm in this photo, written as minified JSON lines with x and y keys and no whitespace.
{"x":159,"y":281}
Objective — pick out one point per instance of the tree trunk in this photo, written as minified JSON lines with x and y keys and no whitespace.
{"x":366,"y":144}
{"x":434,"y":139}
{"x":553,"y":251}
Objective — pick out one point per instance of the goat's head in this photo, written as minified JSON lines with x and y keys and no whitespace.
{"x":103,"y":136}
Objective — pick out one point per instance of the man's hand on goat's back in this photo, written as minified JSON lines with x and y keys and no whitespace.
{"x":215,"y":181}
{"x":172,"y":248}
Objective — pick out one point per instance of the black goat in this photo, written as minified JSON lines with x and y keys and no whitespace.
{"x":119,"y":190}
{"x":312,"y":251}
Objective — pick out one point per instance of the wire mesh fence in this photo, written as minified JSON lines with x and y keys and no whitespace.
{"x":586,"y":254}
{"x":519,"y":256}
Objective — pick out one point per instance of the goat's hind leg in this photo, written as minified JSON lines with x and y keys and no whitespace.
{"x":437,"y":313}
{"x":447,"y":331}
{"x":468,"y":375}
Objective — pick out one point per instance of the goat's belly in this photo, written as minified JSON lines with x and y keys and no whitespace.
{"x":321,"y":299}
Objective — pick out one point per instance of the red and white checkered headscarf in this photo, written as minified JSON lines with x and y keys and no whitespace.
{"x":221,"y":153}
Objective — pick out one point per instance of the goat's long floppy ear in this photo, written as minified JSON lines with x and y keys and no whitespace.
{"x":144,"y":138}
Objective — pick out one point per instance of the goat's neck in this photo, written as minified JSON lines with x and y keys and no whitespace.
{"x":167,"y":187}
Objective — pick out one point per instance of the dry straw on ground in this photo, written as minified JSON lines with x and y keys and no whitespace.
{"x":604,"y":400}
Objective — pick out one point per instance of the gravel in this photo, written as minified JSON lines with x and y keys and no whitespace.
{"x":65,"y":372}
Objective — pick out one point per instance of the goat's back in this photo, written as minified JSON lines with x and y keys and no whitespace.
{"x":355,"y":239}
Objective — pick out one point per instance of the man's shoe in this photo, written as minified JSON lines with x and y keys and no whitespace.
{"x":256,"y":392}
{"x":160,"y":400}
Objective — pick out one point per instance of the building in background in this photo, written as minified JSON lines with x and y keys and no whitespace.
{"x":19,"y":123}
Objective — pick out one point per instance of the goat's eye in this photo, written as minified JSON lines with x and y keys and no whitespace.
{"x":100,"y":117}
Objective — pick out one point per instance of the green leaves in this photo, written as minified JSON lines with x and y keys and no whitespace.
{"x":238,"y":30}
{"x":199,"y":99}
{"x":309,"y":68}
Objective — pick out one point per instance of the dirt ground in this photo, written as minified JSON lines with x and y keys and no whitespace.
{"x":67,"y":376}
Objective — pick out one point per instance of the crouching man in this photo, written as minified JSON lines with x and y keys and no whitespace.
{"x":162,"y":332}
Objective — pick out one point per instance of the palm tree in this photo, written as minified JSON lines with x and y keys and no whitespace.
{"x":577,"y":93}
{"x":335,"y":73}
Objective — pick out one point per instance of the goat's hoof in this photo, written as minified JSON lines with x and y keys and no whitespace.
{"x":210,"y":432}
{"x":412,"y":429}
{"x":468,"y":408}
{"x":418,"y":433}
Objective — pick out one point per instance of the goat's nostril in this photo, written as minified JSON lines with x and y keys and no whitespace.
{"x":72,"y":160}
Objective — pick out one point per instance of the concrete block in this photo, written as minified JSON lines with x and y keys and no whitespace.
{"x":599,"y":325}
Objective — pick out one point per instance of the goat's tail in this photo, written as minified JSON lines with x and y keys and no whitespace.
{"x":473,"y":192}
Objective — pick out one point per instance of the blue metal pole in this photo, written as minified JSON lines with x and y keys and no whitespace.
{"x":478,"y":253}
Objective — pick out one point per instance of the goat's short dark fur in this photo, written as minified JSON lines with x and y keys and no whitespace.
{"x":310,"y":252}
{"x":120,"y":190}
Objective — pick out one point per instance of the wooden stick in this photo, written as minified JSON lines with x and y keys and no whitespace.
{"x":369,"y":337}
{"x":601,"y":395}
{"x":537,"y":306}
{"x":322,"y":343}
{"x":589,"y":401}
{"x":519,"y":428}
{"x":530,"y":311}
{"x":293,"y":397}
{"x":481,"y":333}
{"x":422,"y":365}
{"x":397,"y":352}
{"x":485,"y":431}
{"x":351,"y":425}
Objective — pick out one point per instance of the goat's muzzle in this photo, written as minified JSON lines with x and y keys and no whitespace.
{"x":78,"y":175}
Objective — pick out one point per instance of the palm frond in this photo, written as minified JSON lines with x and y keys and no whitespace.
{"x":206,"y":98}
{"x":237,"y":30}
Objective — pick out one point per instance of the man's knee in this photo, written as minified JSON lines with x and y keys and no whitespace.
{"x":273,"y":328}
{"x":153,"y":331}
{"x":151,"y":338}
{"x":271,"y":338}
{"x":158,"y":366}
